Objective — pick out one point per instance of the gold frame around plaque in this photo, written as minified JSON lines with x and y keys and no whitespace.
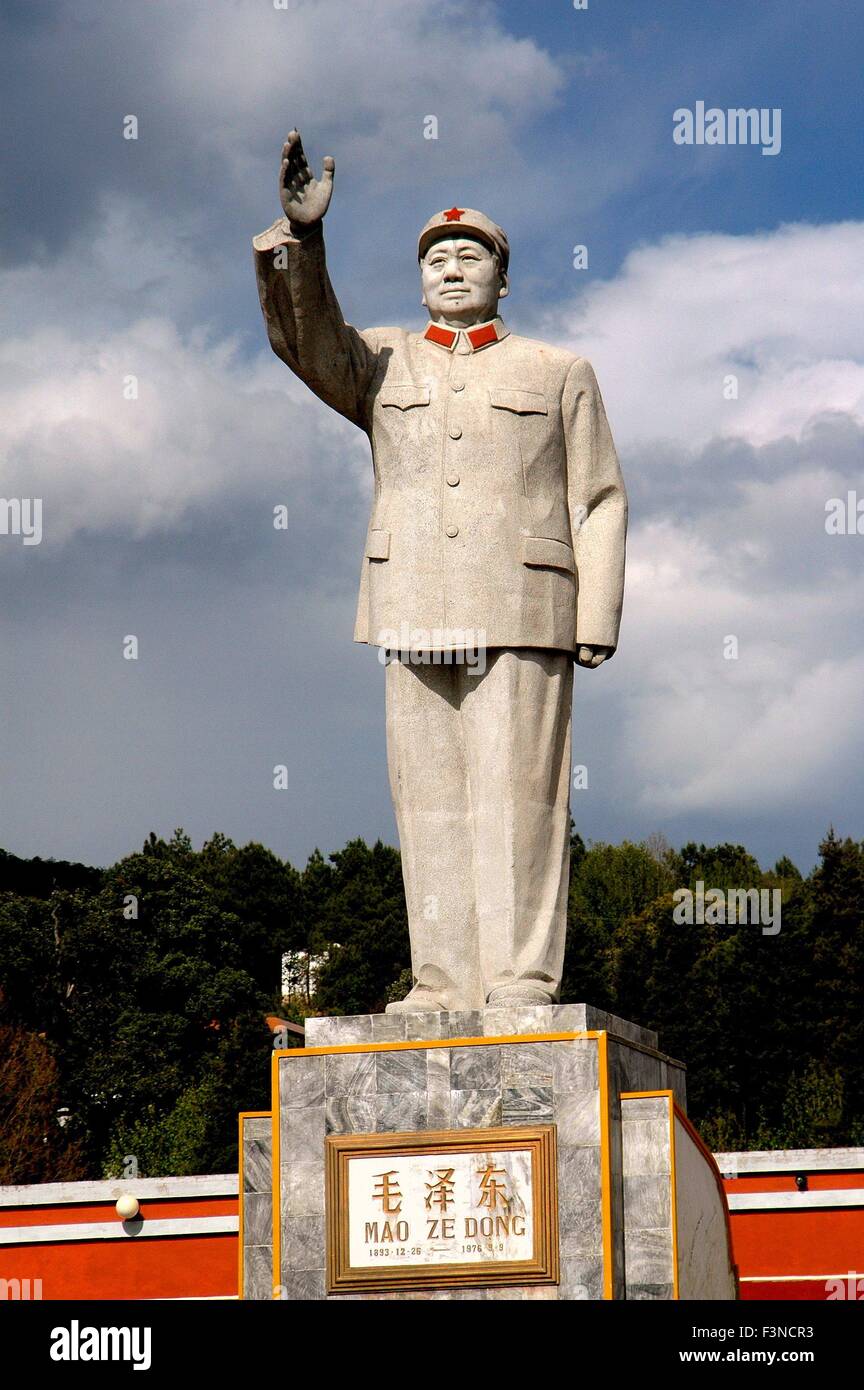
{"x":542,"y":1268}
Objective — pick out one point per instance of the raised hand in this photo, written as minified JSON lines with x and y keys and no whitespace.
{"x":304,"y":199}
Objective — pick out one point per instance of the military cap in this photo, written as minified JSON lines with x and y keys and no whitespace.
{"x":464,"y":222}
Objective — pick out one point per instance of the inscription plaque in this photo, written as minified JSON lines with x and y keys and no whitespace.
{"x":441,"y":1209}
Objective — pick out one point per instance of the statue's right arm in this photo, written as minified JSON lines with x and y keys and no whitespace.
{"x":304,"y":322}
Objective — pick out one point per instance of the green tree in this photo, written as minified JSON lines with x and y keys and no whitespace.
{"x":265,"y":897}
{"x":609,"y":884}
{"x":363,"y":927}
{"x":838,"y":963}
{"x":134,"y":998}
{"x":811,"y":1115}
{"x":154,"y":994}
{"x":34,"y":1145}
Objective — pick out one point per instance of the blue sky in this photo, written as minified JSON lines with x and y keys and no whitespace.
{"x":126,"y":257}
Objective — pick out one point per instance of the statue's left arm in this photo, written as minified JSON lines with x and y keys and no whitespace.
{"x":597,"y":502}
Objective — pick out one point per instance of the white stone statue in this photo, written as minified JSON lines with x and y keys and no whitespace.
{"x":494,"y":558}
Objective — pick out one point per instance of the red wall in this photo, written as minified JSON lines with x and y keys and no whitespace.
{"x":799,"y":1249}
{"x":194,"y":1266}
{"x":821,"y":1242}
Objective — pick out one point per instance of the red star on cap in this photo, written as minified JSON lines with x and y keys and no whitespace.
{"x":453,"y":215}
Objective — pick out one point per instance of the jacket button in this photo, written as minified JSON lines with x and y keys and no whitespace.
{"x":452,"y":531}
{"x":452,"y":479}
{"x":455,"y":431}
{"x":457,"y":385}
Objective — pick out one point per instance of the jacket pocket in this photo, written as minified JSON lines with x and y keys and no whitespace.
{"x":404,"y":396}
{"x":520,"y":402}
{"x":541,"y":550}
{"x":378,"y":545}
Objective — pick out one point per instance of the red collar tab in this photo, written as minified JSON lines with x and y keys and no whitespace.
{"x":453,"y":214}
{"x":481,"y":337}
{"x":445,"y":337}
{"x":478,"y":337}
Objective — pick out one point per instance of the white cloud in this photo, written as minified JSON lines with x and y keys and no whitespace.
{"x":749,"y":749}
{"x":354,"y":63}
{"x":702,"y":732}
{"x":119,"y":299}
{"x":736,"y":543}
{"x":782,"y":310}
{"x":741,"y":552}
{"x":143,"y":247}
{"x":207,"y":424}
{"x":205,"y":427}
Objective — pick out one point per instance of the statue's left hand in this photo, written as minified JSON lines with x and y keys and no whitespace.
{"x":593,"y":656}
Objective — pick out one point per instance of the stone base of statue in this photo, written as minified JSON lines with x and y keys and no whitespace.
{"x":509,"y":1153}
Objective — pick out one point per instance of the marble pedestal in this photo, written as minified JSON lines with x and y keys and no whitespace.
{"x":569,"y":1066}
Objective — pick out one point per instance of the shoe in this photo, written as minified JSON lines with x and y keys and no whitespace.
{"x":518,"y":996}
{"x":419,"y":1001}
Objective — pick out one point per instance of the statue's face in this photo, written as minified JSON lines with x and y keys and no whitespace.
{"x":462,"y":281}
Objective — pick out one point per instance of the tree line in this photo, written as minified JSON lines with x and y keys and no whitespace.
{"x":134,"y":1000}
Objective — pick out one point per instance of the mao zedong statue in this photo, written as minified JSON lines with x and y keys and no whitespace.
{"x":494,"y":560}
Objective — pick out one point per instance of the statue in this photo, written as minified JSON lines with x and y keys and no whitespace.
{"x":494,"y":559}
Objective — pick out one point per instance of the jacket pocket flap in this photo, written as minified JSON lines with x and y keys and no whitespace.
{"x":378,"y":545}
{"x":405,"y":396}
{"x":522,"y":402}
{"x":541,"y":550}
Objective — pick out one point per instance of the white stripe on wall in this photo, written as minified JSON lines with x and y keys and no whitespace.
{"x":795,"y":1201}
{"x":794,"y":1278}
{"x":790,"y":1161}
{"x":117,"y":1230}
{"x":49,"y":1194}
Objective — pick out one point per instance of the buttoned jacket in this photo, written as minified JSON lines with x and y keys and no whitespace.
{"x":499,"y":507}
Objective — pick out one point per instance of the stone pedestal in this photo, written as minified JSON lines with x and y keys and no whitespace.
{"x":256,"y":1205}
{"x":676,"y":1219}
{"x":562,"y":1068}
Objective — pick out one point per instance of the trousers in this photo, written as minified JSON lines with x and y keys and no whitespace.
{"x":479,"y":767}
